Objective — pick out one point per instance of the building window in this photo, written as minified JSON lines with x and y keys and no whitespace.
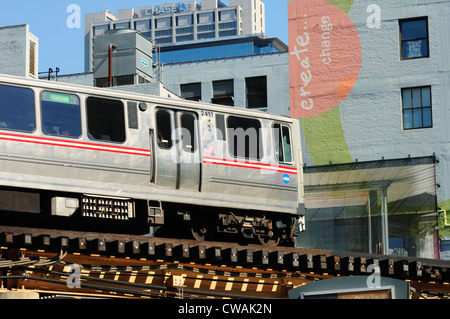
{"x":123,"y":25}
{"x":182,"y":38}
{"x":417,"y":107}
{"x":163,"y":33}
{"x":208,"y":35}
{"x":100,"y":30}
{"x":227,"y":33}
{"x":223,"y":92}
{"x":207,"y":17}
{"x":163,"y":23}
{"x":227,"y":25}
{"x":142,"y":26}
{"x":414,"y":38}
{"x":185,"y":30}
{"x":227,"y":15}
{"x":256,"y":89}
{"x":206,"y":27}
{"x":163,"y":40}
{"x":61,"y":114}
{"x":184,"y":20}
{"x":191,"y":91}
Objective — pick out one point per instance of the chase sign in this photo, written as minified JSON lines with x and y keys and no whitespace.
{"x":168,"y":8}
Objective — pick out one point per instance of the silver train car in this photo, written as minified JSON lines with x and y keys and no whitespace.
{"x":83,"y":158}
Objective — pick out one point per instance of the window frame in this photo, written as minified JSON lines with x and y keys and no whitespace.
{"x":225,"y":98}
{"x":421,"y":107}
{"x":42,"y":114}
{"x":191,"y":87}
{"x":277,"y":143}
{"x":253,"y":83}
{"x":414,"y":39}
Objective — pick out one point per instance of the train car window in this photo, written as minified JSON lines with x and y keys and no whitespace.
{"x":287,"y":144}
{"x":61,"y":114}
{"x":188,"y":126}
{"x":283,"y":148}
{"x":17,"y":111}
{"x":106,"y":119}
{"x":220,"y":126}
{"x":164,"y":128}
{"x":244,"y":137}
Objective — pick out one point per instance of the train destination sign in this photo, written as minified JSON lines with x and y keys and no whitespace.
{"x":61,"y":98}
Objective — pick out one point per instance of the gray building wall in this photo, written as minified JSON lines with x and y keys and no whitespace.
{"x":275,"y":66}
{"x":18,"y":51}
{"x":372,"y":113}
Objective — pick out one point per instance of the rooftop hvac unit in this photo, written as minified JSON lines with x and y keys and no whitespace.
{"x":123,"y":57}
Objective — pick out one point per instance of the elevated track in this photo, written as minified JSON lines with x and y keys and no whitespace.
{"x":68,"y":264}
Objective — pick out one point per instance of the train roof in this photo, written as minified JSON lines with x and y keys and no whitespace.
{"x":122,"y":94}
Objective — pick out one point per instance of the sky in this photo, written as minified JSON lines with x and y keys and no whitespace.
{"x":61,"y":46}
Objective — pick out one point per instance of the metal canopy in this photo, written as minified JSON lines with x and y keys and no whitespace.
{"x":409,"y":181}
{"x":365,"y":205}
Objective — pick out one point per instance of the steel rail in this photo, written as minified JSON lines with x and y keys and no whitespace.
{"x":35,"y":262}
{"x":143,"y":286}
{"x":279,"y":275}
{"x":86,"y":285}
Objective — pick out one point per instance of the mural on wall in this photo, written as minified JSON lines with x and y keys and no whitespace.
{"x":325,"y":60}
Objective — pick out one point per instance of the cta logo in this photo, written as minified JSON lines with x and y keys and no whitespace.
{"x":324,"y":59}
{"x":286,"y":179}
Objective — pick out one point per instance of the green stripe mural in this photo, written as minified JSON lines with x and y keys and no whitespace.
{"x":323,"y":134}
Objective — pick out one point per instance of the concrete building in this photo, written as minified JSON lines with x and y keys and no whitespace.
{"x":19,"y":51}
{"x":253,"y":81}
{"x":172,"y":23}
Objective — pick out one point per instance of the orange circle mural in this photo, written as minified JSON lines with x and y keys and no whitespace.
{"x":324,"y":56}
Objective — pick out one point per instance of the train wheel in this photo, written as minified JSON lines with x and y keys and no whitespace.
{"x":202,"y":228}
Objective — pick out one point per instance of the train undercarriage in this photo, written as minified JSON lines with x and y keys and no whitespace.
{"x":83,"y":212}
{"x":220,"y":224}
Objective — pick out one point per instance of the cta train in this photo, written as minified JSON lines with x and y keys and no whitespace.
{"x":84,"y":158}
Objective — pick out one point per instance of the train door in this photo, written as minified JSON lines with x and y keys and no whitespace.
{"x":177,"y":157}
